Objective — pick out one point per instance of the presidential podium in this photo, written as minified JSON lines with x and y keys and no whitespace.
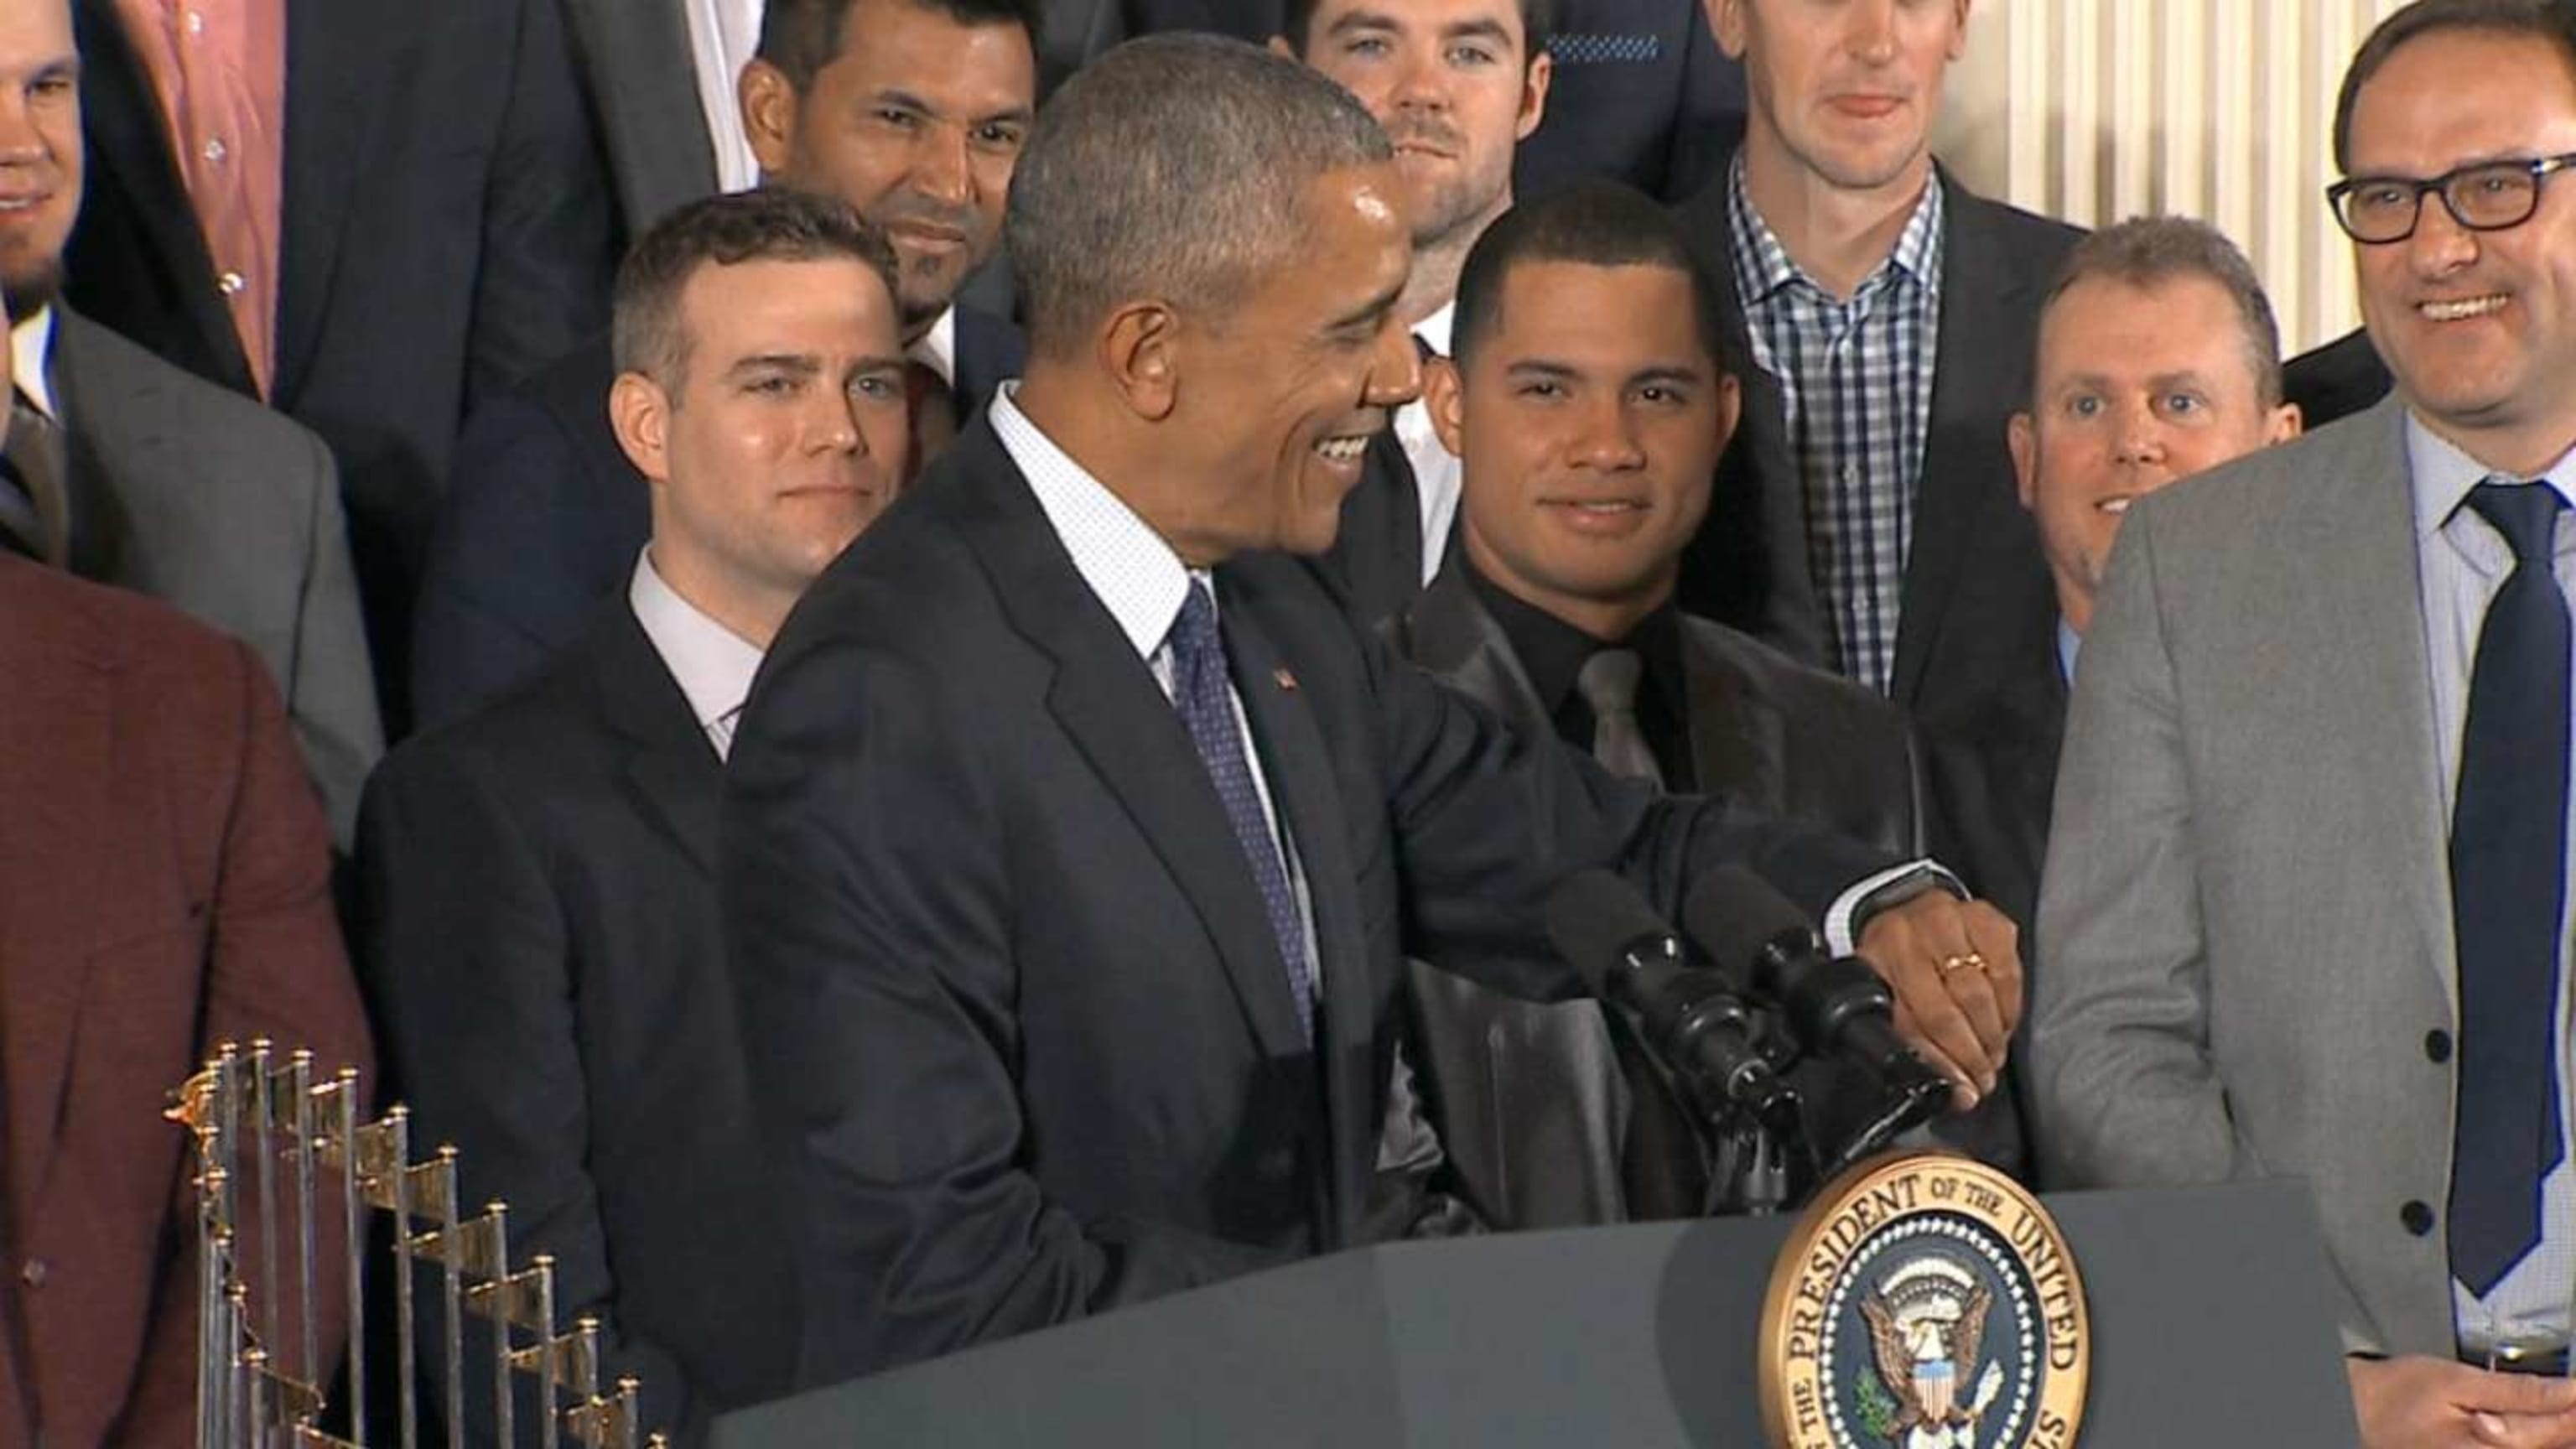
{"x":2211,"y":1325}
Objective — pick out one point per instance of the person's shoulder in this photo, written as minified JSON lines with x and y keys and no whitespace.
{"x":1799,"y":689}
{"x":2301,"y":476}
{"x":205,"y":412}
{"x":2022,"y":232}
{"x":171,"y":678}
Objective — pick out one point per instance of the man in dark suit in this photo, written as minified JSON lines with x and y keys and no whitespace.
{"x":1075,"y":836}
{"x":659,"y":77}
{"x":164,"y":888}
{"x":1864,"y":516}
{"x":912,"y":111}
{"x":131,"y":472}
{"x":1457,"y":84}
{"x":542,"y":938}
{"x":1589,"y":399}
{"x":439,"y":228}
{"x":2158,"y":357}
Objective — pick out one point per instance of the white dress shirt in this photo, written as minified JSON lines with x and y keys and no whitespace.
{"x":723,"y":34}
{"x":1141,"y":582}
{"x":712,"y":664}
{"x":31,"y":353}
{"x":2460,"y":562}
{"x":937,"y":349}
{"x":1437,"y":473}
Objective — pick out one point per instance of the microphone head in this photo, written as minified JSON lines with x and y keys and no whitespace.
{"x":1736,"y":915}
{"x":1593,"y":917}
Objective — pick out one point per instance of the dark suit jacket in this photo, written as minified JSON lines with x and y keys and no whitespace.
{"x":543,"y":952}
{"x":641,"y":79}
{"x":2343,"y":377}
{"x":1030,"y":1052}
{"x":209,"y":502}
{"x":164,"y":888}
{"x":1534,"y":1104}
{"x":1994,"y":778}
{"x":1641,"y":94}
{"x":1376,"y":557}
{"x":446,"y":230}
{"x":545,"y":516}
{"x":1977,"y":603}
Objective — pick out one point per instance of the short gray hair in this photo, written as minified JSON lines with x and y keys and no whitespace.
{"x":2148,"y":251}
{"x":1174,"y":167}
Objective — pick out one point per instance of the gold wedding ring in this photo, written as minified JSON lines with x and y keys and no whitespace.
{"x":1953,"y":965}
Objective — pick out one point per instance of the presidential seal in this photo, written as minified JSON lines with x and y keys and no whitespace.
{"x":1926,"y":1301}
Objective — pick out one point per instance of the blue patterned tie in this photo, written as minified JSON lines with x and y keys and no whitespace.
{"x":2508,"y":886}
{"x":1202,"y":695}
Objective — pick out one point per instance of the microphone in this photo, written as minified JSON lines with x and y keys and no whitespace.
{"x":1690,"y":1020}
{"x":1835,"y":1006}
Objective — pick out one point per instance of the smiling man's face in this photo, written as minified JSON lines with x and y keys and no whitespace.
{"x":2137,"y":385}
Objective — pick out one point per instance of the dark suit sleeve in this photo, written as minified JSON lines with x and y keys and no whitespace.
{"x":869,"y":909}
{"x":275,"y":969}
{"x":548,"y":224}
{"x":470,"y":967}
{"x":1488,"y":823}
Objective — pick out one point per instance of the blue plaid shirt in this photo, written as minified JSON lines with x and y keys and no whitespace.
{"x":1856,"y":380}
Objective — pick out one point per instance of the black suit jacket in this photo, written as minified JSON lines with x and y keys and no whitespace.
{"x":1641,"y":94}
{"x":2343,"y":377}
{"x":1536,"y":1106}
{"x":545,"y":515}
{"x":1994,"y":782}
{"x":1977,"y":603}
{"x":544,"y":956}
{"x":1029,"y":1049}
{"x":1376,"y":556}
{"x":446,"y":229}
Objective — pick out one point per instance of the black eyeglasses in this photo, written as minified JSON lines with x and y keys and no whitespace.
{"x":2489,"y":196}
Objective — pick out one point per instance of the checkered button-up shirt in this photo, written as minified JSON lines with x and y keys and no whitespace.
{"x":1856,"y":381}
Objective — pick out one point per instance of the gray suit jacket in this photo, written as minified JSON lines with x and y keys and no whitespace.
{"x":641,"y":80}
{"x":2246,"y":906}
{"x":205,"y":500}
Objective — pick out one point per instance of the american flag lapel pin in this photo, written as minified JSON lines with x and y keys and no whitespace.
{"x":1287,"y":682}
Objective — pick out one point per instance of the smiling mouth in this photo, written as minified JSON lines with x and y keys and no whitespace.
{"x":25,"y":202}
{"x":2115,"y":505}
{"x":2461,"y":309}
{"x":1345,"y":448}
{"x":1599,"y":507}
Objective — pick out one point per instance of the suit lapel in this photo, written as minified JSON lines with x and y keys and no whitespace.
{"x":1738,"y":739}
{"x":2369,"y":617}
{"x":88,"y":386}
{"x":669,"y":761}
{"x":1957,"y":486}
{"x":1300,"y":776}
{"x":56,"y":740}
{"x":338,"y":55}
{"x":127,"y":139}
{"x":1108,"y":704}
{"x":1449,"y":633}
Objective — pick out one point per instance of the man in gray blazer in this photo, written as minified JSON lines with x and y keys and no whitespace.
{"x":2304,"y":907}
{"x":132,"y":472}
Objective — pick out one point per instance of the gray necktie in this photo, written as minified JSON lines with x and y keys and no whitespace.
{"x":1609,"y":684}
{"x":35,"y":448}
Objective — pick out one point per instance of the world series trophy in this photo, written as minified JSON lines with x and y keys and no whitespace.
{"x":281,"y":1153}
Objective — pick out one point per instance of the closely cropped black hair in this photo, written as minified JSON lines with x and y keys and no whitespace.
{"x":1596,"y":223}
{"x":801,"y":37}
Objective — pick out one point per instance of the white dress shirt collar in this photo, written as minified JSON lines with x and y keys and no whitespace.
{"x":723,"y":36}
{"x":2443,"y":476}
{"x":1127,"y":565}
{"x":1434,"y":330}
{"x":31,"y":348}
{"x":712,"y":664}
{"x":937,"y":349}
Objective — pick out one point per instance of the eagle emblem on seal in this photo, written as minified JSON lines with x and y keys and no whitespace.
{"x":1927,"y":1324}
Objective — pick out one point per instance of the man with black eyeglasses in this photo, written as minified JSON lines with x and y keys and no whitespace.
{"x":2305,"y":903}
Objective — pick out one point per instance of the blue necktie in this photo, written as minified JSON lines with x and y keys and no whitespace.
{"x":1202,"y":695}
{"x":2508,"y":883}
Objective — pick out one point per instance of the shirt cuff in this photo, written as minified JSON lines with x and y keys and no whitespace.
{"x":1852,"y":909}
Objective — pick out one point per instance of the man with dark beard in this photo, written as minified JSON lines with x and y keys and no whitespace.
{"x":912,"y":111}
{"x":1458,"y":84}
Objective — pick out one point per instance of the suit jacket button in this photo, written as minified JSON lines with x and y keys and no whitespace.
{"x":2417,"y":1217}
{"x":2437,"y":1046}
{"x":33,"y":1274}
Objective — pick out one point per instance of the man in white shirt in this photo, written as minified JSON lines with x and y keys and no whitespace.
{"x":1458,"y":84}
{"x":539,"y":905}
